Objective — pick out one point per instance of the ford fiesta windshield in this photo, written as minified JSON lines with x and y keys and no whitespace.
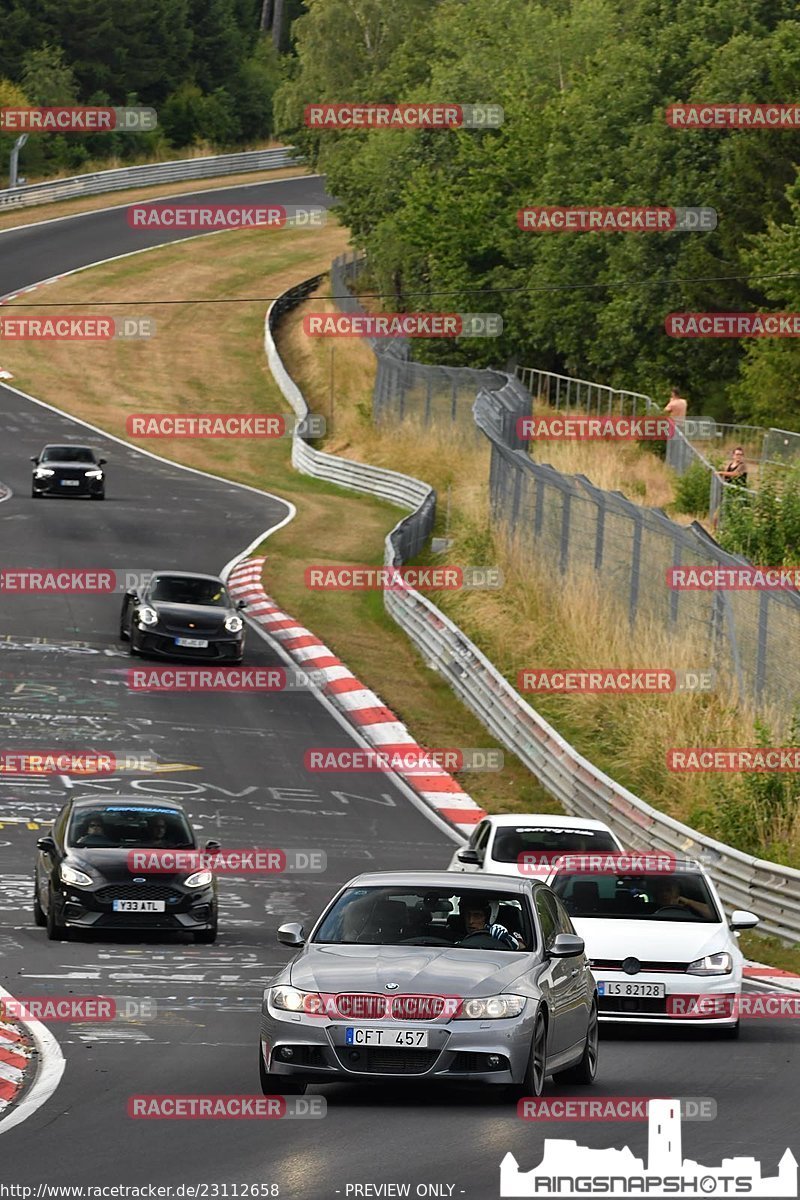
{"x":115,"y":827}
{"x":659,"y":897}
{"x":380,"y":916}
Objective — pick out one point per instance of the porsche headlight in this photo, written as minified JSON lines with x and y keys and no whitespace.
{"x":492,"y":1008}
{"x":147,"y":615}
{"x":199,"y":879}
{"x":712,"y":964}
{"x":75,"y":877}
{"x":234,"y":624}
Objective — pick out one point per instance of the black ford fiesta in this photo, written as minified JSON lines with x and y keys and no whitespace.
{"x":182,"y":615}
{"x":87,"y":877}
{"x":68,"y":471}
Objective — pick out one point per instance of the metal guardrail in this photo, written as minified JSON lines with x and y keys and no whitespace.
{"x":769,"y":889}
{"x":127,"y":177}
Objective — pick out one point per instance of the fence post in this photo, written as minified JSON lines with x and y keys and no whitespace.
{"x":566,"y":499}
{"x":761,"y":653}
{"x":636,"y":556}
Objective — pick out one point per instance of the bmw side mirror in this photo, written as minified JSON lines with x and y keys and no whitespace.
{"x":47,"y":844}
{"x":241,"y":604}
{"x":213,"y":846}
{"x":469,"y":856}
{"x":741,"y":919}
{"x":292,"y":934}
{"x":566,"y":945}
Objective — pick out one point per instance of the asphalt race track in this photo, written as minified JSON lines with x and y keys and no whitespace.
{"x":240,"y":773}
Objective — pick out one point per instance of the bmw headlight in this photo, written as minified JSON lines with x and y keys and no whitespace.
{"x":234,"y":624}
{"x":43,"y":472}
{"x":75,"y":877}
{"x":147,"y":615}
{"x":291,"y":999}
{"x":492,"y":1008}
{"x":712,"y":964}
{"x":199,"y":879}
{"x":95,"y":474}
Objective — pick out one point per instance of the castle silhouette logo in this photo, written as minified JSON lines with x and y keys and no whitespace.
{"x":568,"y":1169}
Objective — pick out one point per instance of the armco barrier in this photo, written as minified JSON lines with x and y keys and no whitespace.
{"x":769,"y":889}
{"x":127,"y":177}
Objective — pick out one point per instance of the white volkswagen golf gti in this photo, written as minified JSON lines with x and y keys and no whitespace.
{"x":499,"y":844}
{"x":661,"y":948}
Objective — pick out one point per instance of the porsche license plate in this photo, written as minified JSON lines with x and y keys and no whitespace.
{"x":197,"y":643}
{"x":618,"y":988}
{"x":356,"y":1036}
{"x":139,"y":906}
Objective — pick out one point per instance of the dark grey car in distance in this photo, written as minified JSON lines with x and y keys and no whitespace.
{"x":395,"y":981}
{"x":68,"y":470}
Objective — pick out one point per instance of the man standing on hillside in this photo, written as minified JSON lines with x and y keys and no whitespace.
{"x":676,"y":408}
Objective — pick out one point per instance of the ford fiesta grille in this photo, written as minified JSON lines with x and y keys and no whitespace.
{"x":137,"y":891}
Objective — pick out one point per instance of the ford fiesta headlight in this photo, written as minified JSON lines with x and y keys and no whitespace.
{"x":95,"y":474}
{"x":147,"y":616}
{"x":199,"y":879}
{"x":492,"y":1008}
{"x":291,"y":999}
{"x":75,"y":877}
{"x":234,"y":624}
{"x":712,"y":964}
{"x":43,"y":472}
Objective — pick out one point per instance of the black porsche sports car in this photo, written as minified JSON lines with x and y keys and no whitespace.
{"x":68,"y":471}
{"x":178,"y":614}
{"x":86,"y":877}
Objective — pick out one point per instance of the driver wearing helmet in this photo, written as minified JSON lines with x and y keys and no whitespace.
{"x":476,"y":916}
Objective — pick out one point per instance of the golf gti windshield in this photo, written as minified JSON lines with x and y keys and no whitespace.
{"x":678,"y":896}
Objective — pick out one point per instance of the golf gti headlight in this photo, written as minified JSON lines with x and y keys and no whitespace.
{"x":95,"y":474}
{"x":234,"y":624}
{"x":293,"y":1000}
{"x":199,"y":879}
{"x":43,"y":472}
{"x":147,"y":616}
{"x":492,"y":1008}
{"x":76,"y":878}
{"x":712,"y":964}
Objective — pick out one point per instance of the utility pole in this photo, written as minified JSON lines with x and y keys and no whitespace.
{"x":278,"y":16}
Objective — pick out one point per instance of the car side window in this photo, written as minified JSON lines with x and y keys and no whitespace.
{"x":562,"y":918}
{"x":547,"y":919}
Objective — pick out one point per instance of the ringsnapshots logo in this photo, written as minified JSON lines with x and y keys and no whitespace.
{"x":215,"y":1107}
{"x":586,"y":429}
{"x":732,"y":325}
{"x":225,"y":216}
{"x":344,"y":578}
{"x":403,"y":325}
{"x":408,"y":759}
{"x":223,"y":425}
{"x":331,"y":116}
{"x":75,"y":329}
{"x":615,"y":218}
{"x":614,"y":680}
{"x":77,"y":119}
{"x":718,"y":115}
